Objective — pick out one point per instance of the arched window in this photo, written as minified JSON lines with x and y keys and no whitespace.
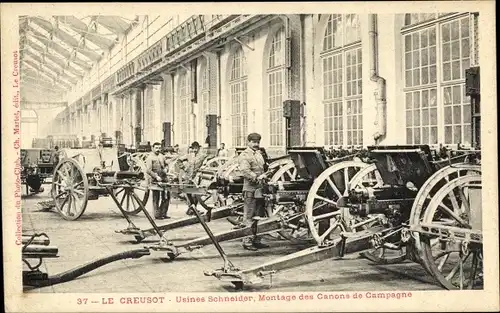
{"x":276,"y":86}
{"x":341,"y":65}
{"x":437,"y":53}
{"x":238,"y":94}
{"x":204,"y":97}
{"x":184,"y":107}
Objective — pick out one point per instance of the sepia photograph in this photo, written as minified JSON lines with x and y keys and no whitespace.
{"x":276,"y":160}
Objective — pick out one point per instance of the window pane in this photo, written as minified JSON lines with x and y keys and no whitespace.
{"x":433,"y":116}
{"x":425,"y":75}
{"x":425,"y":117}
{"x":408,"y":43}
{"x":456,"y":70}
{"x":408,"y":63}
{"x":434,"y":138}
{"x":432,"y":74}
{"x":457,"y":95}
{"x":447,"y":71}
{"x":408,"y":101}
{"x":432,"y":55}
{"x":425,"y":135}
{"x":424,"y":39}
{"x":425,"y":98}
{"x":416,"y":100}
{"x":447,"y":135}
{"x":457,"y":117}
{"x":408,"y":78}
{"x":447,"y":115}
{"x":446,"y":52}
{"x":467,"y":114}
{"x":409,"y":136}
{"x":432,"y":36}
{"x":424,"y":57}
{"x":454,"y":30}
{"x":446,"y":32}
{"x":457,"y":134}
{"x":409,"y":118}
{"x":455,"y":50}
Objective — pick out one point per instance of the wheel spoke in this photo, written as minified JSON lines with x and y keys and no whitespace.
{"x":329,"y":230}
{"x":61,"y":194}
{"x":335,"y":189}
{"x":326,"y":200}
{"x":465,"y":202}
{"x":454,"y":215}
{"x":119,"y":192}
{"x":443,"y":261}
{"x":326,"y":215}
{"x":456,"y":267}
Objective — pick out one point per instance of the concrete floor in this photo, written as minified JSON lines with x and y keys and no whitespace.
{"x":93,"y":236}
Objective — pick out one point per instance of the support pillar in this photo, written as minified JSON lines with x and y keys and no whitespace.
{"x":138,"y":103}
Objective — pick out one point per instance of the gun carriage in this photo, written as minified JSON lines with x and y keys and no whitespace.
{"x":37,"y":165}
{"x":206,"y":190}
{"x":88,"y":174}
{"x":398,"y":204}
{"x":284,"y":216}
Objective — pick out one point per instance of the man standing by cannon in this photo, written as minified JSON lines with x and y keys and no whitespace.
{"x":155,"y":166}
{"x":252,"y":164}
{"x":194,"y":160}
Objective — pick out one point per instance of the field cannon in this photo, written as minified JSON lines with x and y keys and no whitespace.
{"x":37,"y":165}
{"x":399,"y":204}
{"x":285,"y":201}
{"x":37,"y":247}
{"x":87,"y":174}
{"x":209,"y":189}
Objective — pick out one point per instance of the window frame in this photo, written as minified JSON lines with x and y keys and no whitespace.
{"x":440,"y":84}
{"x":277,"y":69}
{"x":242,"y":82}
{"x":343,"y":49}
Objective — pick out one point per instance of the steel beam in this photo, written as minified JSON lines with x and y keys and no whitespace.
{"x":346,"y":243}
{"x":186,"y":221}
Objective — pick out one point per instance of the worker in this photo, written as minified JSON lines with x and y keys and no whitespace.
{"x":251,"y":164}
{"x":222,"y":152}
{"x":194,"y":161}
{"x":155,"y":168}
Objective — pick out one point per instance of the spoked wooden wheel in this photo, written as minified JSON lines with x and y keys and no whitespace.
{"x":216,"y":162}
{"x":127,"y":201}
{"x":321,"y":204}
{"x":389,"y":249}
{"x":287,"y":172}
{"x":429,"y":190}
{"x":70,"y":189}
{"x":136,"y":162}
{"x":452,"y":246}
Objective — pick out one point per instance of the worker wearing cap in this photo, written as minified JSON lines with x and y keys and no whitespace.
{"x":155,"y":168}
{"x":194,"y":161}
{"x":251,"y":164}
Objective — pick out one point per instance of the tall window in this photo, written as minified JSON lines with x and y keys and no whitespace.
{"x":341,"y":65}
{"x":437,"y":52}
{"x":204,"y":96}
{"x":238,"y":94}
{"x":276,"y":85}
{"x":184,"y":107}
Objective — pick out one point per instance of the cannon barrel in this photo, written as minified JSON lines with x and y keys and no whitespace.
{"x":128,"y":174}
{"x":41,"y":281}
{"x":36,"y":251}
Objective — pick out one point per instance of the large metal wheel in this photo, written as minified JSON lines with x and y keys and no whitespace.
{"x":321,"y":205}
{"x":70,"y":189}
{"x":429,"y":190}
{"x":127,"y":201}
{"x":453,"y":255}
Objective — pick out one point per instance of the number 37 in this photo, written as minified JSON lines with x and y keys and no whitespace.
{"x":81,"y":301}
